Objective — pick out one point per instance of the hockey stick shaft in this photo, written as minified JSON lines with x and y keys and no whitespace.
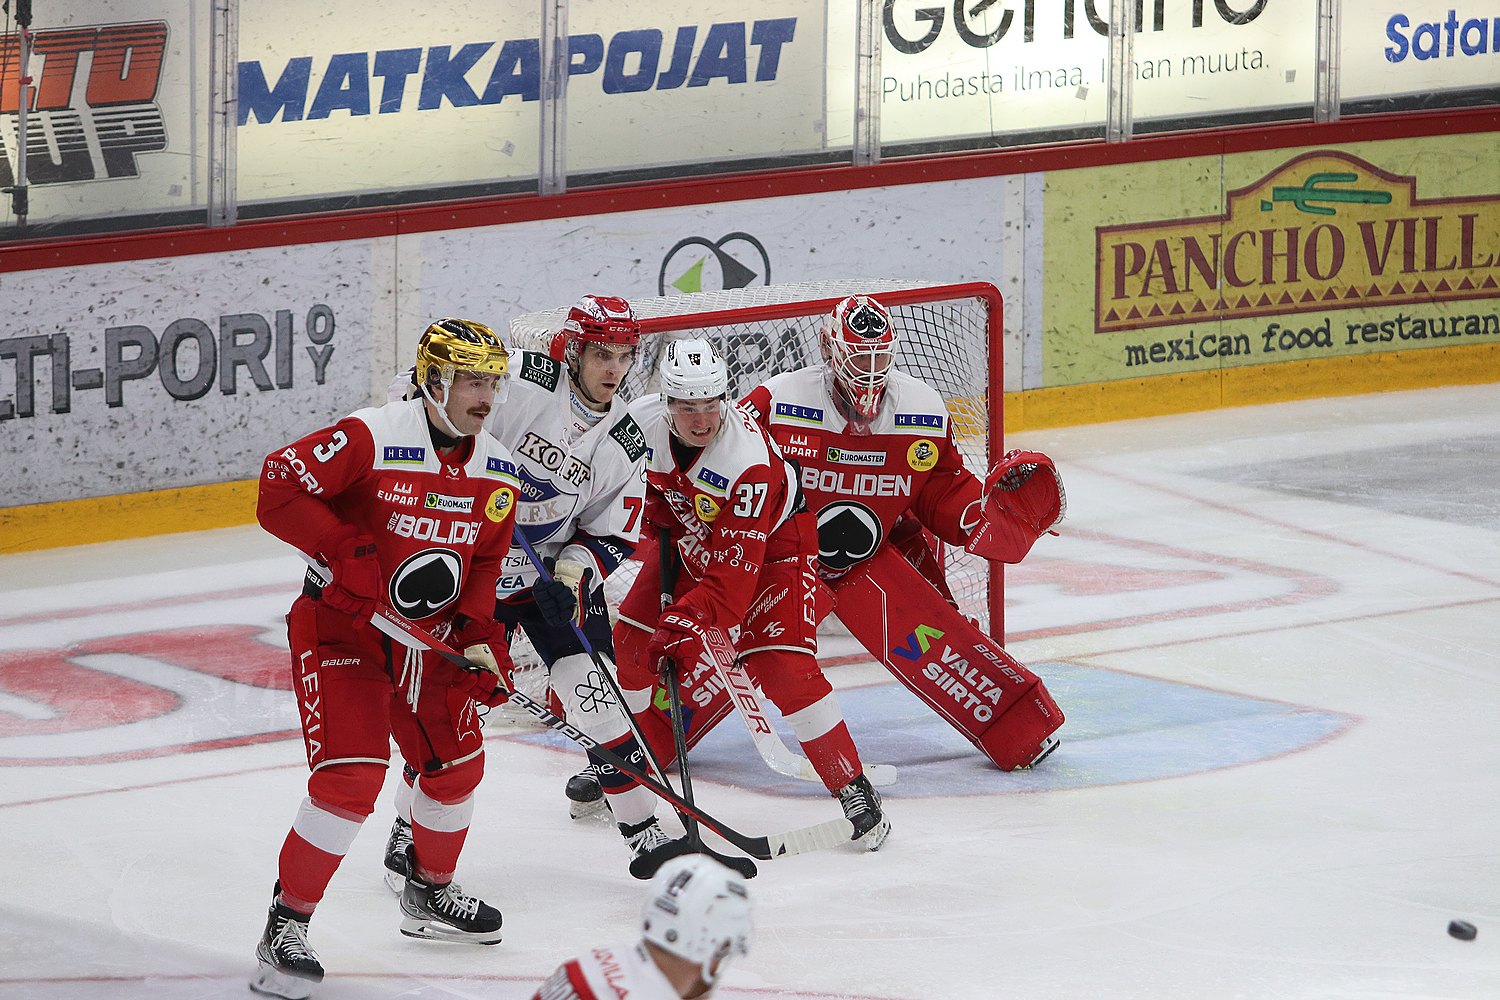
{"x":668,"y":568}
{"x":764,"y":848}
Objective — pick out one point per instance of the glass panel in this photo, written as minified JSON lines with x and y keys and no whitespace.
{"x":117,"y":128}
{"x":358,"y":104}
{"x":964,"y":75}
{"x":662,"y":88}
{"x":1218,"y":62}
{"x":1417,"y":54}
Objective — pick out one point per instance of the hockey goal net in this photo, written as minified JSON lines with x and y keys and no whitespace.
{"x":950,"y":338}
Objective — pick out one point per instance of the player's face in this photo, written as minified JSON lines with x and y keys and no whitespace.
{"x":601,"y":369}
{"x":470,"y":400}
{"x":695,"y":421}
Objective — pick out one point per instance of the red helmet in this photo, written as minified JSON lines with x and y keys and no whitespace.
{"x":598,"y":319}
{"x":859,"y":344}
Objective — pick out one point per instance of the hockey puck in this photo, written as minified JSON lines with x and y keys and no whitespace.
{"x":1462,"y":929}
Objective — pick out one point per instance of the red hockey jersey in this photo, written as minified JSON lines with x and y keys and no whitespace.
{"x":859,"y":482}
{"x":441,"y":524}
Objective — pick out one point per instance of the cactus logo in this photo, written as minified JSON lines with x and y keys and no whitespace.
{"x":737,"y":260}
{"x":917,"y":643}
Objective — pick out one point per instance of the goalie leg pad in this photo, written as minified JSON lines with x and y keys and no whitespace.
{"x":963,"y":674}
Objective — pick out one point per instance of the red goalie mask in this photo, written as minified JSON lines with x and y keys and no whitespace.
{"x":859,"y":344}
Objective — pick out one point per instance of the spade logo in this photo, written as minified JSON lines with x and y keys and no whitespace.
{"x":426,"y":583}
{"x":848,"y":532}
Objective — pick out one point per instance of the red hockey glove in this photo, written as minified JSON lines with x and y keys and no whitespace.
{"x":357,"y":584}
{"x":562,"y":599}
{"x":489,"y":680}
{"x":1023,"y":499}
{"x":679,"y":635}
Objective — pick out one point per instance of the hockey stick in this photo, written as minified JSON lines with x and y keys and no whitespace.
{"x":768,"y":743}
{"x":667,"y":571}
{"x":819,"y":836}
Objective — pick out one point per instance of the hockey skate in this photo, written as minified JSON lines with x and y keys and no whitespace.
{"x":444,"y":913}
{"x":585,"y":794}
{"x":861,"y":804}
{"x":397,"y":866}
{"x":1042,"y":752}
{"x":653,"y":848}
{"x":288,"y":965}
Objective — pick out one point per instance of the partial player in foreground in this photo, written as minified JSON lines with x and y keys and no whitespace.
{"x":731,"y":512}
{"x":410,"y":507}
{"x":579,"y":455}
{"x":880,"y":469}
{"x":697,"y":919}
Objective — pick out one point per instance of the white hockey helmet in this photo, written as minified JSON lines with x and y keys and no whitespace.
{"x":859,"y":343}
{"x":699,"y":910}
{"x":692,"y":369}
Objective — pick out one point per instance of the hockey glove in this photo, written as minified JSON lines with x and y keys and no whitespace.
{"x":562,"y":599}
{"x":678,"y":635}
{"x":1023,"y":499}
{"x":356,"y":586}
{"x":488,"y":680}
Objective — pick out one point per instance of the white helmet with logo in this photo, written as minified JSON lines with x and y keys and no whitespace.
{"x":693,"y":370}
{"x":699,"y":910}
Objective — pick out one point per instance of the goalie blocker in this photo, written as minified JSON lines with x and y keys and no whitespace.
{"x":964,"y":675}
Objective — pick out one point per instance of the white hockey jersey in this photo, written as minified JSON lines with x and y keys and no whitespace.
{"x":585,"y":495}
{"x":609,"y":973}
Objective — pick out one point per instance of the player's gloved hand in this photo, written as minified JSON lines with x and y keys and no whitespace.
{"x":356,"y":586}
{"x":488,"y":681}
{"x":678,"y":635}
{"x":1023,"y":498}
{"x":562,"y":599}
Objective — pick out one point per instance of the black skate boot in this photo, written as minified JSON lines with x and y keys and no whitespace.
{"x":861,"y":804}
{"x":444,"y":913}
{"x":653,"y":848}
{"x":585,"y":795}
{"x":288,"y":965}
{"x":397,"y":867}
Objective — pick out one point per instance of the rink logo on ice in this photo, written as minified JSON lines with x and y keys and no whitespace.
{"x":94,"y":104}
{"x":486,"y":72}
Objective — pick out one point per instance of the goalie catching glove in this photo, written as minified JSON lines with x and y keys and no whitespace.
{"x":678,"y":635}
{"x":488,"y":680}
{"x":562,"y":599}
{"x":1023,"y":499}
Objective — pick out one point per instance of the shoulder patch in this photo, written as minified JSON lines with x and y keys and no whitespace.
{"x":630,"y":436}
{"x":541,"y":369}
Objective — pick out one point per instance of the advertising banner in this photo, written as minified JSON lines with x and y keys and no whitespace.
{"x":1401,"y":48}
{"x":186,"y":370}
{"x":118,"y":112}
{"x":1275,"y":256}
{"x":365,"y":97}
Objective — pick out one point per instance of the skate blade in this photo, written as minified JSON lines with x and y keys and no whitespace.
{"x":588,"y":810}
{"x":395,"y":881}
{"x":875,"y":836}
{"x":275,"y":983}
{"x":436,"y":930}
{"x":1050,"y":744}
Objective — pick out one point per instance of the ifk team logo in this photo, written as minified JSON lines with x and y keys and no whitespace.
{"x":93,"y":102}
{"x":736,"y":260}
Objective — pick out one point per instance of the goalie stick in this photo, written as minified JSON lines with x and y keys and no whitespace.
{"x":819,"y":836}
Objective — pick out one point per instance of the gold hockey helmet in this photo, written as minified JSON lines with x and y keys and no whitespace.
{"x":453,"y":345}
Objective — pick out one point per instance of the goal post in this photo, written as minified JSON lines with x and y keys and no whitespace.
{"x":951,"y":337}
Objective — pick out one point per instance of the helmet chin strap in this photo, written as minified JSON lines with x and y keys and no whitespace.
{"x":575,"y":380}
{"x":441,"y":409}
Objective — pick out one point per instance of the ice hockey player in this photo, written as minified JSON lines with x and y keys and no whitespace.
{"x":696,"y":920}
{"x":737,"y":522}
{"x":579,"y":456}
{"x":408,"y":507}
{"x":879,"y":464}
